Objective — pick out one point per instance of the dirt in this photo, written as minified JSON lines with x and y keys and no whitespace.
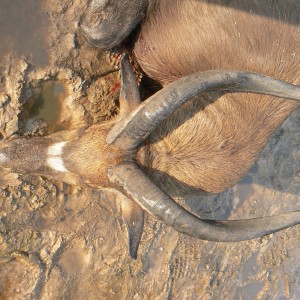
{"x":63,"y":242}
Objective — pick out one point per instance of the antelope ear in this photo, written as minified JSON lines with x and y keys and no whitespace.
{"x":133,"y":217}
{"x":129,"y":94}
{"x":8,"y":179}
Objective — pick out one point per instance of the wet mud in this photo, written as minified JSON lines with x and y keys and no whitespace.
{"x":59,"y":241}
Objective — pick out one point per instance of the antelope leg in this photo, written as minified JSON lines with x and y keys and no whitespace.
{"x":131,"y":180}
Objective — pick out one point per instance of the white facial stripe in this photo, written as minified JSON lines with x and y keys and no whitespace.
{"x":54,"y":159}
{"x":56,"y":149}
{"x":56,"y":163}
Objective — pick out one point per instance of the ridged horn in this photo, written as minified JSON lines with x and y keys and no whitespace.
{"x":131,"y":131}
{"x":132,"y":181}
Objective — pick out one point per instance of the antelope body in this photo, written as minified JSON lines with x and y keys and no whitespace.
{"x":180,"y":37}
{"x":192,"y":135}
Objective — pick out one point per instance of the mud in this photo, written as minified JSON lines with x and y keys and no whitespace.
{"x":63,"y":242}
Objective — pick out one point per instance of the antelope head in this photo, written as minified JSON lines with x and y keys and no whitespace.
{"x":106,"y":155}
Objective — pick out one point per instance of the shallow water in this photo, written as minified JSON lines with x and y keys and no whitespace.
{"x":245,"y":188}
{"x":48,"y":106}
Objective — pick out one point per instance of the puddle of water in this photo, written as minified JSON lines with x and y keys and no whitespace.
{"x":250,"y":268}
{"x":245,"y":187}
{"x":48,"y":106}
{"x":23,"y":29}
{"x":249,"y":291}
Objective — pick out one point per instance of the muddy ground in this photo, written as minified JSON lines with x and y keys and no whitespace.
{"x":63,"y":242}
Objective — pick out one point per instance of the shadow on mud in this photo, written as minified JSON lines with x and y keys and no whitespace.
{"x":24,"y":29}
{"x":262,"y":10}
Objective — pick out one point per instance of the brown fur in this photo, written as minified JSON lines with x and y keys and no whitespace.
{"x":89,"y":156}
{"x":86,"y":156}
{"x":212,"y":142}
